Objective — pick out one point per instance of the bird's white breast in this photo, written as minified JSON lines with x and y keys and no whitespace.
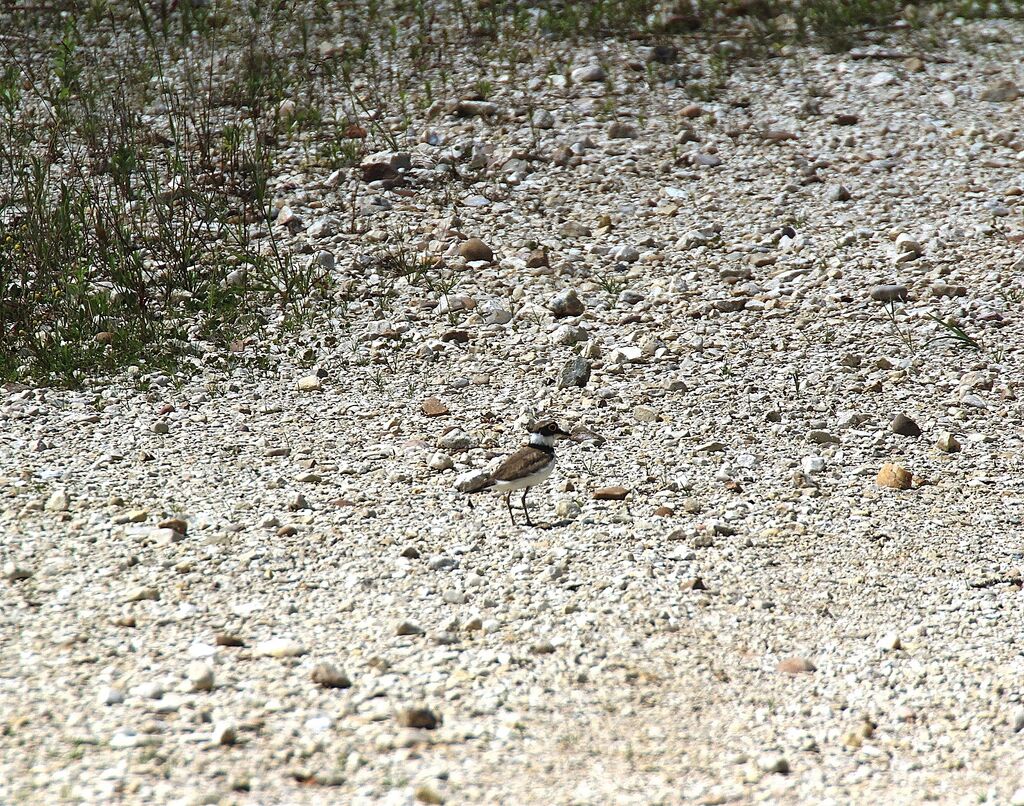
{"x":526,"y":481}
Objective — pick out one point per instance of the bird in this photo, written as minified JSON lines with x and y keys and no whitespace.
{"x":527,"y":467}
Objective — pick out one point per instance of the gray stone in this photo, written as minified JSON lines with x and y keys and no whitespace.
{"x":773,"y":763}
{"x":569,"y":335}
{"x":57,"y":502}
{"x":889,"y":293}
{"x":442,"y":562}
{"x":224,"y":733}
{"x":440,"y":462}
{"x":566,"y":303}
{"x":838,"y":193}
{"x":575,"y":373}
{"x":542,"y":119}
{"x":124,"y":739}
{"x":455,"y":440}
{"x":141,"y":593}
{"x":1002,"y":91}
{"x":948,"y":443}
{"x":941,"y":289}
{"x":110,"y":695}
{"x":907,"y":248}
{"x":151,"y":690}
{"x":471,"y":481}
{"x":645,"y":414}
{"x":200,"y":676}
{"x":14,"y":572}
{"x":574,"y":229}
{"x":625,"y":253}
{"x":471,"y":109}
{"x":325,"y":260}
{"x":623,"y":131}
{"x":587,"y":73}
{"x":812,"y":464}
{"x":279,"y":648}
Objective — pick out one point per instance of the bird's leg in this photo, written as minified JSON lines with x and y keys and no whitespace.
{"x":525,"y":510}
{"x":508,"y":503}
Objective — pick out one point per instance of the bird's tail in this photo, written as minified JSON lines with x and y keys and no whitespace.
{"x":480,"y":487}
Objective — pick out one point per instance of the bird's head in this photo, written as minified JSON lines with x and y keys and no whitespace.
{"x":545,"y":431}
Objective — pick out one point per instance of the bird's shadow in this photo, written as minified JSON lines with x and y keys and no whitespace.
{"x":552,"y":524}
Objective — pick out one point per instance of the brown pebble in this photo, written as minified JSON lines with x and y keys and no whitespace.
{"x":105,"y":337}
{"x":475,"y":249}
{"x":379,"y":172}
{"x":610,"y":494}
{"x":418,"y":717}
{"x":433,"y":407}
{"x":179,"y":525}
{"x":894,"y":476}
{"x":427,"y":794}
{"x":455,"y":336}
{"x":287,"y":531}
{"x":664,"y":512}
{"x":329,"y":676}
{"x":796,"y":665}
{"x":693,"y":584}
{"x":691,"y":111}
{"x":227,"y":639}
{"x":538,"y":259}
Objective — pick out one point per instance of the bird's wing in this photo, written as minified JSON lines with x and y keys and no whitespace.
{"x":524,"y":462}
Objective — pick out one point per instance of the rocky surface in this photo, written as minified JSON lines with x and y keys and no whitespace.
{"x":256,"y":583}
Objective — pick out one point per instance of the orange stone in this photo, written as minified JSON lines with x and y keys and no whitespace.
{"x":795,"y":665}
{"x":433,"y":407}
{"x":894,"y":476}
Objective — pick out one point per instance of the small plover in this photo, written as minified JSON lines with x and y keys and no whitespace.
{"x":527,"y":467}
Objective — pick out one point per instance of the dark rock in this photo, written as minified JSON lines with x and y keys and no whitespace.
{"x":903,"y":425}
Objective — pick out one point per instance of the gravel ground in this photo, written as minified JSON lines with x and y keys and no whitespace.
{"x":258,"y":583}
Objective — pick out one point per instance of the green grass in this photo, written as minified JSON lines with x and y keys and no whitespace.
{"x":140,"y":141}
